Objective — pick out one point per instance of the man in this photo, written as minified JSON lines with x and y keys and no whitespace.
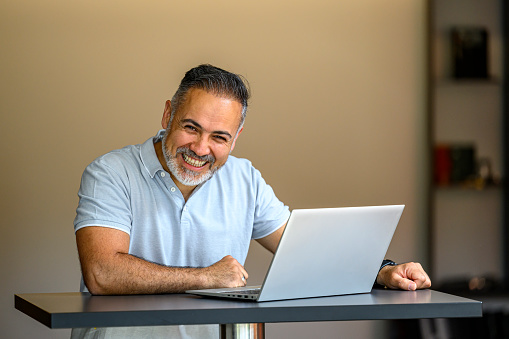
{"x":178,"y":212}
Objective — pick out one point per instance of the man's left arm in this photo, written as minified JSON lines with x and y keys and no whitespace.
{"x":408,"y":276}
{"x":271,"y":241}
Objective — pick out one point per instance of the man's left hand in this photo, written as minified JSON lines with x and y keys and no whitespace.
{"x":410,"y":276}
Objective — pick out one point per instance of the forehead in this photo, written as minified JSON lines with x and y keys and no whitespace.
{"x":210,"y":110}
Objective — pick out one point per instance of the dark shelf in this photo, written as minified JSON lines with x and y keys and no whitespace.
{"x":468,"y":187}
{"x":493,"y":81}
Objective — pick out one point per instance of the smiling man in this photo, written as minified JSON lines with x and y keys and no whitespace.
{"x":178,"y":212}
{"x":199,"y":137}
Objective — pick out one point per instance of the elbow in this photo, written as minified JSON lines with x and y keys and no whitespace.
{"x":97,"y":283}
{"x":94,"y":288}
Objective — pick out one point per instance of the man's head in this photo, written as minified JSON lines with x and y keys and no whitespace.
{"x":202,"y":122}
{"x":216,"y":81}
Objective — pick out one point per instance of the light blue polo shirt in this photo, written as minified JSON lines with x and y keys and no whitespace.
{"x":128,"y":190}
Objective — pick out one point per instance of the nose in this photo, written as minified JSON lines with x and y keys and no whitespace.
{"x":200,"y":146}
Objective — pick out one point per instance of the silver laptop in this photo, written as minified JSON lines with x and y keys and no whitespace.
{"x":324,"y":252}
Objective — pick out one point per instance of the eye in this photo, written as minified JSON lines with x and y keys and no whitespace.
{"x":220,"y":138}
{"x":190,"y":128}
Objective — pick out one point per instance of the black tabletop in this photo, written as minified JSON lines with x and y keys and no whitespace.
{"x":67,"y":310}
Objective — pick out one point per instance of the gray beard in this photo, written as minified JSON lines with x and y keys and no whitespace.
{"x":183,"y":175}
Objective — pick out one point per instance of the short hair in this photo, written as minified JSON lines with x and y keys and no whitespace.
{"x":213,"y":80}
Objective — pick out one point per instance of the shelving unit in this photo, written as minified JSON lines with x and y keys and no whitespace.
{"x":505,"y":143}
{"x":467,"y":225}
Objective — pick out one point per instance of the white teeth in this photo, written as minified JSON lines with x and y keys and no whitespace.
{"x":193,"y":162}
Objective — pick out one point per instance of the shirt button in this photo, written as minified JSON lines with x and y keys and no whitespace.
{"x":185,"y":208}
{"x":163,"y":174}
{"x":173,"y":189}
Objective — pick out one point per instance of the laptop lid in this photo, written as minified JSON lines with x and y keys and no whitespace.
{"x":330,"y":251}
{"x":325,"y":252}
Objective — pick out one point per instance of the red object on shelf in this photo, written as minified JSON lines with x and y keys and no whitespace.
{"x":442,"y":165}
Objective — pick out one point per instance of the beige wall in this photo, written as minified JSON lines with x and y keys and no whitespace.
{"x":337,"y":116}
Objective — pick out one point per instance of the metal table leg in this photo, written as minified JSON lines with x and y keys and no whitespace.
{"x":242,"y":331}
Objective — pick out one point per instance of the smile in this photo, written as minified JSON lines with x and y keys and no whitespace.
{"x":193,"y":162}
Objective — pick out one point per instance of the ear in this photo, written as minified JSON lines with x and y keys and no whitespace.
{"x":235,"y":140}
{"x":166,"y":114}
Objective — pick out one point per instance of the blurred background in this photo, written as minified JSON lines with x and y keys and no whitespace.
{"x":341,"y":115}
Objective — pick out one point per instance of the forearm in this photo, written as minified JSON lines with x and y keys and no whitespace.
{"x":109,"y":269}
{"x":127,"y":274}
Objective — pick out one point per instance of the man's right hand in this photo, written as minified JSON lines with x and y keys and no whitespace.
{"x":227,"y":272}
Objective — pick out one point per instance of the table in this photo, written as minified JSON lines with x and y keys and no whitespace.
{"x":238,"y":319}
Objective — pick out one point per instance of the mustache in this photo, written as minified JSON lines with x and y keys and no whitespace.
{"x":187,"y":151}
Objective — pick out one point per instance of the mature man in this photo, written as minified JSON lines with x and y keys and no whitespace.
{"x":178,"y":212}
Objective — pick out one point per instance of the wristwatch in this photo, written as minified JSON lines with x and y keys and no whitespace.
{"x":387,"y":262}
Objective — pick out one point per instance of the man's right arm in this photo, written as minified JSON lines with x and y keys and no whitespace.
{"x":108,"y":268}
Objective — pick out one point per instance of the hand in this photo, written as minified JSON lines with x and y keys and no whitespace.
{"x":227,"y":272}
{"x":409,"y":276}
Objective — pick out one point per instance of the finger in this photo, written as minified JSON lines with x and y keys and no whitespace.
{"x":422,"y":281}
{"x":229,"y":272}
{"x":416,"y":273}
{"x":426,"y":283}
{"x":243,"y":276}
{"x":398,"y":277}
{"x":244,"y":273}
{"x":410,"y":285}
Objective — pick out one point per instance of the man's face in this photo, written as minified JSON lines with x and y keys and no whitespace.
{"x":201,"y":136}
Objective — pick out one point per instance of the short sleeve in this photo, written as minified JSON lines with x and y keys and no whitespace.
{"x":270,"y":212}
{"x":104,"y":196}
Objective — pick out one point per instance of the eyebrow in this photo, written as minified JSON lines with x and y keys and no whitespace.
{"x":196,"y":124}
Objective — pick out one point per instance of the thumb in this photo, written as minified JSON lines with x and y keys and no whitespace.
{"x":412,"y":286}
{"x":405,"y":284}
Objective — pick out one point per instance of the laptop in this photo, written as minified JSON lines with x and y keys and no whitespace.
{"x":324,"y":252}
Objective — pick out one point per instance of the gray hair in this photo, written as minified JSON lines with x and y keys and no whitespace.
{"x":213,"y":80}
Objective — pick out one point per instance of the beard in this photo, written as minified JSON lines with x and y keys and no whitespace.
{"x":184,"y":175}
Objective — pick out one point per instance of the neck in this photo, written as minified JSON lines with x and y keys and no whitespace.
{"x":185,"y":190}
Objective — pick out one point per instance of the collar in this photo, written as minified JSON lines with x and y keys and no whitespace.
{"x":149,"y":156}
